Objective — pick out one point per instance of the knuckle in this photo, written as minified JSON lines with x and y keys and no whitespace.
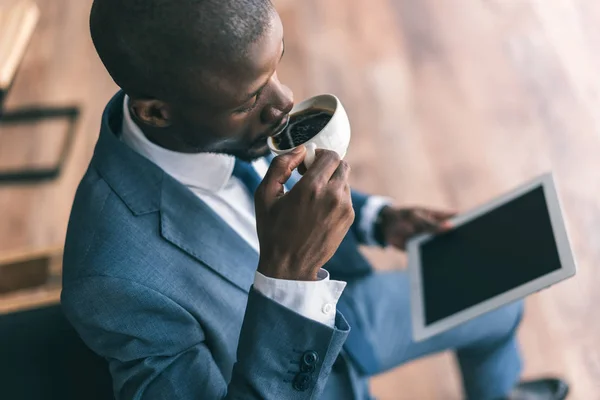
{"x":336,"y":200}
{"x":280,"y":162}
{"x":330,"y":156}
{"x":333,"y":156}
{"x":339,"y":200}
{"x":345,"y":170}
{"x":347,"y":201}
{"x":351,"y":214}
{"x":313,"y":191}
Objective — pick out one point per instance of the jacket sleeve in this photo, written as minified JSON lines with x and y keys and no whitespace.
{"x":158,"y":350}
{"x":358,"y":202}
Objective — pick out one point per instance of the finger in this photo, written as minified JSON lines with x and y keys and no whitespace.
{"x":344,"y":193}
{"x":443,"y":215}
{"x":442,"y":218}
{"x":425,"y":226}
{"x":341,"y":173}
{"x":339,"y":182}
{"x":279,"y":172}
{"x":423,"y":221}
{"x":322,"y":169}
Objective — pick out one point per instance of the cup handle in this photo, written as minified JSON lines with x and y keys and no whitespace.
{"x":309,"y":158}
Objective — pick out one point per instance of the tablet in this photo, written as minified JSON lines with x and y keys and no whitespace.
{"x":496,"y":254}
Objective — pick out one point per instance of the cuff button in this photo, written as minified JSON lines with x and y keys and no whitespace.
{"x":310,"y":358}
{"x":302,"y":382}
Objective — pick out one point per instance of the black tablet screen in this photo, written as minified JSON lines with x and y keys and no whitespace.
{"x":496,"y":252}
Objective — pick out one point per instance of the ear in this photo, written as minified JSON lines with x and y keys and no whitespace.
{"x":155,"y":113}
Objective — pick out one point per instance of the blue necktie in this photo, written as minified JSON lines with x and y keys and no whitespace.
{"x":245,"y":172}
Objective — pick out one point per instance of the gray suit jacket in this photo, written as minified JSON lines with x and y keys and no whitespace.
{"x":159,"y":285}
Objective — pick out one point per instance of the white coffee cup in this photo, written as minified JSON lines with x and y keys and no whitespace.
{"x":334,"y":136}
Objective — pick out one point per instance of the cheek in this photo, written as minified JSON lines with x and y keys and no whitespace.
{"x":231,"y":132}
{"x":218,"y":131}
{"x":240,"y":125}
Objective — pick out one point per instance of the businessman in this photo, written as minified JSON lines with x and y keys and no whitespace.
{"x":201,"y":268}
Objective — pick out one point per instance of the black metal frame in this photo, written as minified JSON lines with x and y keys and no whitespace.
{"x":28,"y":115}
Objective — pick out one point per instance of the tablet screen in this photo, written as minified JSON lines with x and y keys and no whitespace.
{"x":496,"y":252}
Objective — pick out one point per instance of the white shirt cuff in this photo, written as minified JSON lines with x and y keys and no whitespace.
{"x":369,"y":214}
{"x":316,"y":300}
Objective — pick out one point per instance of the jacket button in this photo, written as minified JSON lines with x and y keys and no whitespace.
{"x":310,"y":358}
{"x":302,"y":382}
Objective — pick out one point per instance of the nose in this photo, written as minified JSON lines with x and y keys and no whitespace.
{"x":280,"y":106}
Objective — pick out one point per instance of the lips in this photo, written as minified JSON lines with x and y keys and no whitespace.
{"x":276,"y":131}
{"x":281,"y":127}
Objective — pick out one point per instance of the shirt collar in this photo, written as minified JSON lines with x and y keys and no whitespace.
{"x":205,"y":171}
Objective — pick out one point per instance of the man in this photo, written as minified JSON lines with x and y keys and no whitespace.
{"x":193,"y":288}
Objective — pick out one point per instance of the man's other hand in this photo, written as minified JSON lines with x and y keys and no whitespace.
{"x":398,"y":225}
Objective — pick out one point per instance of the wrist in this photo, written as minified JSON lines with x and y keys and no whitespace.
{"x":379,"y":229}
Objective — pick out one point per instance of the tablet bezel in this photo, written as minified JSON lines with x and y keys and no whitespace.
{"x":568,"y":267}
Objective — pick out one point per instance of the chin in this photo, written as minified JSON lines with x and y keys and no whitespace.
{"x":253,"y":153}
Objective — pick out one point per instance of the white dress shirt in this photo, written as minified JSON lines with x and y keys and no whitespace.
{"x":209,"y":176}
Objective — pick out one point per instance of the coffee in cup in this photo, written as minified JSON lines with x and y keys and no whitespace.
{"x":302,"y":127}
{"x":319,"y":122}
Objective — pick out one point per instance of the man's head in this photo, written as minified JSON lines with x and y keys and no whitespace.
{"x":201,"y":74}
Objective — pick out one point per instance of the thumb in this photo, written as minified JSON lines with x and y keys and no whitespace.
{"x":280,"y":170}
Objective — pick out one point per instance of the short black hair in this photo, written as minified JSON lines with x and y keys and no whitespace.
{"x":146,"y":45}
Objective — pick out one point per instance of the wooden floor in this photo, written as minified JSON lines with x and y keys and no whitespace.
{"x":451,"y":103}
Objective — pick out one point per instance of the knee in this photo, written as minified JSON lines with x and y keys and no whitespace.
{"x":509,"y":319}
{"x":495,"y":328}
{"x":516,"y":313}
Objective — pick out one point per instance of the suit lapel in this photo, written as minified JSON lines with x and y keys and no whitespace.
{"x":188,"y":223}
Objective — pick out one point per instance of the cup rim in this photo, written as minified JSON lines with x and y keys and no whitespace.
{"x":302,"y":104}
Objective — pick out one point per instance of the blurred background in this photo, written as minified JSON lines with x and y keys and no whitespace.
{"x":451,"y":103}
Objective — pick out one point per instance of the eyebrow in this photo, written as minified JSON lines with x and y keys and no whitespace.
{"x":256,"y":92}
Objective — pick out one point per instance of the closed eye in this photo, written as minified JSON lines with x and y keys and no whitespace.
{"x":254,"y":101}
